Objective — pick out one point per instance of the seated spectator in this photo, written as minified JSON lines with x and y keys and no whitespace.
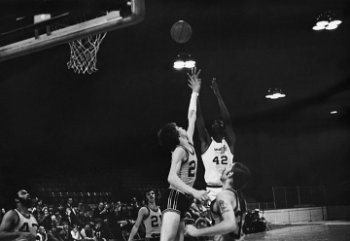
{"x":65,"y":233}
{"x":75,"y":233}
{"x":87,"y":232}
{"x":45,"y":220}
{"x":42,"y":234}
{"x":99,"y":231}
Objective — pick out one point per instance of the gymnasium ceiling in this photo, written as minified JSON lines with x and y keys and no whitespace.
{"x":50,"y":113}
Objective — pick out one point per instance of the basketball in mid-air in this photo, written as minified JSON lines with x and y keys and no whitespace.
{"x":181,"y":31}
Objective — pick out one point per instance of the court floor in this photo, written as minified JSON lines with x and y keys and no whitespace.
{"x":318,"y":231}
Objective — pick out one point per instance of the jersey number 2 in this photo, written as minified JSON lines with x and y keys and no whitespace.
{"x":192,"y":169}
{"x":154,"y":221}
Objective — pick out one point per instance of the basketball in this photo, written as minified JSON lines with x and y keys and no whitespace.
{"x":181,"y":31}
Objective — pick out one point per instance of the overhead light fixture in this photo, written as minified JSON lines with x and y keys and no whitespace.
{"x":274,"y":93}
{"x":326,"y":21}
{"x":184,"y":61}
{"x":333,"y":112}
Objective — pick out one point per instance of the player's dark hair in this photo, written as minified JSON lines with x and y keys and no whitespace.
{"x":241,"y":175}
{"x":168,"y":136}
{"x":146,"y":192}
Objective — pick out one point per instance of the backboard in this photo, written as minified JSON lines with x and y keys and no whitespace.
{"x":28,"y":26}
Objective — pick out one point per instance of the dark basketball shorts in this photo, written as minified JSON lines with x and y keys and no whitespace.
{"x":175,"y":201}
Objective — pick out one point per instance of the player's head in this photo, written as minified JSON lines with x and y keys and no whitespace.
{"x":218,"y":129}
{"x":237,"y":174}
{"x":23,"y":198}
{"x":169,"y":134}
{"x":150,"y":195}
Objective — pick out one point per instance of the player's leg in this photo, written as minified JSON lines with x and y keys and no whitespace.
{"x":170,"y":226}
{"x":180,"y":232}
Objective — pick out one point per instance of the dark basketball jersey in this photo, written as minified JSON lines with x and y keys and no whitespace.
{"x":239,"y":211}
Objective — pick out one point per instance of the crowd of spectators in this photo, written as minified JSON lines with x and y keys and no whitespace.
{"x":81,"y":221}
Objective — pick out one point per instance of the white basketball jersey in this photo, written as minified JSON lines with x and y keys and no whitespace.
{"x":153,"y":222}
{"x":215,"y":159}
{"x":26,"y":224}
{"x":188,"y":169}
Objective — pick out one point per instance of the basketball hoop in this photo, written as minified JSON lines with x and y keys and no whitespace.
{"x":83,"y":54}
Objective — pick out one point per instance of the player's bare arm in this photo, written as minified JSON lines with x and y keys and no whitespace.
{"x":140,"y":216}
{"x":178,"y":156}
{"x":230,"y":135}
{"x":194,"y":82}
{"x":203,"y":133}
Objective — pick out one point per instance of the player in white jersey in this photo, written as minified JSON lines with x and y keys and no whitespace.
{"x":19,"y":224}
{"x":229,"y":207}
{"x":151,"y":216}
{"x":183,"y":169}
{"x":217,"y":149}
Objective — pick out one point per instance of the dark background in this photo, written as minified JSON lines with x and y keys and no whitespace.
{"x":101,"y":128}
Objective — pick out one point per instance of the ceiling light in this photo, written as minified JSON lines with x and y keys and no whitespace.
{"x":333,"y":112}
{"x":184,"y":60}
{"x":326,"y":21}
{"x":274,"y":93}
{"x":318,"y":27}
{"x":179,"y":64}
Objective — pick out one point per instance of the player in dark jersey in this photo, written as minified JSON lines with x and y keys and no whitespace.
{"x":151,"y":216}
{"x":183,"y":169}
{"x":19,"y":224}
{"x":228,"y":208}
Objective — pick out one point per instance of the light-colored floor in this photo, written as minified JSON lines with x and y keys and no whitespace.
{"x":316,"y":231}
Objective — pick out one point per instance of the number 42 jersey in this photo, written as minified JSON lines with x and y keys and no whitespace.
{"x":215,"y":159}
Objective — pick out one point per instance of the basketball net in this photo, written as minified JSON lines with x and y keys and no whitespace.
{"x":83,"y":54}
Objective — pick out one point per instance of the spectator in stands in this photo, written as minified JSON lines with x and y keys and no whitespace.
{"x":42,"y":234}
{"x":99,"y":232}
{"x":72,"y":212}
{"x":45,"y":220}
{"x":65,"y":232}
{"x":87,"y":232}
{"x":75,"y":233}
{"x":100,"y":212}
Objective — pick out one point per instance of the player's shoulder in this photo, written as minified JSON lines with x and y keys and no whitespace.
{"x":11,"y":217}
{"x":181,"y":151}
{"x":226,"y":195}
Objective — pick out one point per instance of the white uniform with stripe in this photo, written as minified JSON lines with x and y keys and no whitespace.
{"x":188,"y":169}
{"x":152,"y":222}
{"x":26,"y":224}
{"x":215,"y":159}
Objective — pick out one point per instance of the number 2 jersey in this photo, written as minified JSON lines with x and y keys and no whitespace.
{"x":215,"y":159}
{"x":152,"y":222}
{"x":188,"y":169}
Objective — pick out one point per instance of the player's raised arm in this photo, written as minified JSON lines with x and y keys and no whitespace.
{"x":230,"y":134}
{"x":194,"y":82}
{"x":203,"y":134}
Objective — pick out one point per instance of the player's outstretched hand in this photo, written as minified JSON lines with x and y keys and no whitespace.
{"x":201,"y":195}
{"x":190,"y":230}
{"x":194,"y":82}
